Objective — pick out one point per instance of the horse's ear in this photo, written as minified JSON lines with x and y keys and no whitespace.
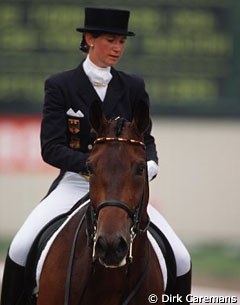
{"x":141,"y":116}
{"x":97,"y":118}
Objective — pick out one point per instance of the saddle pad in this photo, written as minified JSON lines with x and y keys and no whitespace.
{"x":49,"y":243}
{"x":160,"y":257}
{"x":44,"y":253}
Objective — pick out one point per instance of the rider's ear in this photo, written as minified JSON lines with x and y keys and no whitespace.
{"x":141,"y":116}
{"x":97,"y":118}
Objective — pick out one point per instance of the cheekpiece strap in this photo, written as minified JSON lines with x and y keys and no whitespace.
{"x":118,"y":139}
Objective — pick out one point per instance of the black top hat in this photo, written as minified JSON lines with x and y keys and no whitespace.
{"x":105,"y":20}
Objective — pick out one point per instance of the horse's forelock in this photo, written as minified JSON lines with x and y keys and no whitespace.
{"x":119,"y":126}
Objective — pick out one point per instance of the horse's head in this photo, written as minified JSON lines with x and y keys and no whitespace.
{"x":118,"y":184}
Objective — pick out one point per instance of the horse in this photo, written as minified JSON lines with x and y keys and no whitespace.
{"x":103,"y":255}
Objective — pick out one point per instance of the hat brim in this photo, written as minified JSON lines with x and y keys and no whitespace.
{"x":105,"y":31}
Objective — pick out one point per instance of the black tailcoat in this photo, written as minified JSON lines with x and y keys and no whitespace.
{"x":66,"y":139}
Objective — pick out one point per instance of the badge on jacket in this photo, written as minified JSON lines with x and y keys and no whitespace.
{"x":74,"y":127}
{"x":74,"y":142}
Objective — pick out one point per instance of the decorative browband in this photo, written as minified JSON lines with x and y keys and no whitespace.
{"x":117,"y":139}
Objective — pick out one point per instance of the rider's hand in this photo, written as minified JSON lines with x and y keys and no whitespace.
{"x":152,"y":169}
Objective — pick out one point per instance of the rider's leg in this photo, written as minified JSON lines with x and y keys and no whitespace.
{"x":12,"y":286}
{"x":182,"y":257}
{"x":71,"y":188}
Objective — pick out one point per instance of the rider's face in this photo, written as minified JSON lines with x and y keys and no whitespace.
{"x":106,"y":49}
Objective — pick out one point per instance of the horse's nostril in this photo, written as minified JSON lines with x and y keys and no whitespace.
{"x":101,"y":245}
{"x":122,"y":245}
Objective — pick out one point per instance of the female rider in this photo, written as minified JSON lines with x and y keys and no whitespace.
{"x":66,"y":140}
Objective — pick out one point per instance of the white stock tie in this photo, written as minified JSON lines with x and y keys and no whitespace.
{"x":99,"y":77}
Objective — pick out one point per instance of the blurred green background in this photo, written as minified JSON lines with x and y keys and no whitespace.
{"x":188,"y":52}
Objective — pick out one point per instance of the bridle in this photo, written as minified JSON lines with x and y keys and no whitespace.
{"x":119,"y":139}
{"x":134,"y":214}
{"x":91,"y":217}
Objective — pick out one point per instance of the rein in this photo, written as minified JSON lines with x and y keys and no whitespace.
{"x":139,"y":283}
{"x":71,"y":261}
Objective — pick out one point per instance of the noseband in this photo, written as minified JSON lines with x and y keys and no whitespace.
{"x":134,"y":214}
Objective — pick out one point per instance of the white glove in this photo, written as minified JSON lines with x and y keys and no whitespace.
{"x":152,"y":169}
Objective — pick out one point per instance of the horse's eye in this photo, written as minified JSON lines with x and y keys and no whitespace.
{"x":140,"y":169}
{"x":89,"y":169}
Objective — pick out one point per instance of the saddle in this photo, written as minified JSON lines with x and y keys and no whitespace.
{"x":40,"y":242}
{"x":168,"y":255}
{"x":47,"y":232}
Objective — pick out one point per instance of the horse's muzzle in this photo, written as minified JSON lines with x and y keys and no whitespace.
{"x":111,"y":251}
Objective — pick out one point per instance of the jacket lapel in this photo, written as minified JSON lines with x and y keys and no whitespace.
{"x":114,"y":94}
{"x":85,"y":90}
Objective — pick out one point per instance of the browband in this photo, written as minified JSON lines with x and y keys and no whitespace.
{"x":117,"y":139}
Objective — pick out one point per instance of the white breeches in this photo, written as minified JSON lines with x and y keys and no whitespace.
{"x":71,"y":188}
{"x":69,"y":191}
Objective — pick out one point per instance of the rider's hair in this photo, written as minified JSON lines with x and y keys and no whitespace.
{"x":84,"y":47}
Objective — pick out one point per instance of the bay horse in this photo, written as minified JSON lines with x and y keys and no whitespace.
{"x":112,"y":261}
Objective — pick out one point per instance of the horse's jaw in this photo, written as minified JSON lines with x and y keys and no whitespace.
{"x":121,"y":264}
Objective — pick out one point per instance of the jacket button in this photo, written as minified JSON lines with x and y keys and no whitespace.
{"x":90,"y":146}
